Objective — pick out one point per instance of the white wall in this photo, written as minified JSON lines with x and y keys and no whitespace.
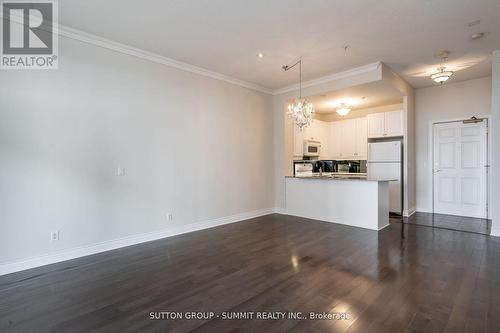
{"x":495,"y":131}
{"x":191,"y":145}
{"x":441,"y":103}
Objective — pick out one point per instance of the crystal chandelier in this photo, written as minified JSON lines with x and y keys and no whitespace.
{"x":301,"y":110}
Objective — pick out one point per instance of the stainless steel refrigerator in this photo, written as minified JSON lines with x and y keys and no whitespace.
{"x":385,"y":161}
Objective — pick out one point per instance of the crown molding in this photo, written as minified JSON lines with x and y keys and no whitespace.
{"x":146,"y":55}
{"x":109,"y":44}
{"x":329,"y":78}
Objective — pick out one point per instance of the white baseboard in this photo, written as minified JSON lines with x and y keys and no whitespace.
{"x":495,"y":232}
{"x":82,"y":251}
{"x":385,"y":226}
{"x":424,"y":210}
{"x":409,"y":212}
{"x":280,"y":210}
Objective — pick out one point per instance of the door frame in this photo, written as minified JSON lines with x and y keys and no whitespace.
{"x":430,"y":167}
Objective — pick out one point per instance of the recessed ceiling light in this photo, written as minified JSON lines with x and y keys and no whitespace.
{"x":260,"y":55}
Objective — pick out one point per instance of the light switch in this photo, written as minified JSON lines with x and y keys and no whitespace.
{"x":120,"y":172}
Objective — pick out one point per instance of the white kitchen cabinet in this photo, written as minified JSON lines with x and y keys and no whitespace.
{"x":298,"y":141}
{"x":394,"y":123}
{"x":342,"y":140}
{"x":317,"y":131}
{"x":376,"y":125}
{"x":361,"y":152}
{"x":348,"y":139}
{"x":323,"y":131}
{"x":334,"y":140}
{"x":313,"y":131}
{"x":385,"y":124}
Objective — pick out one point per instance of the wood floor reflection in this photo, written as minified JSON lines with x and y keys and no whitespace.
{"x":452,"y":222}
{"x":406,"y":278}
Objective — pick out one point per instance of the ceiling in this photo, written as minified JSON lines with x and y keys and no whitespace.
{"x":364,"y":96}
{"x":225,"y":35}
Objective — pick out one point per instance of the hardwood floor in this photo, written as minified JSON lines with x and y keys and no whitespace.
{"x":452,"y":222}
{"x":405,"y":278}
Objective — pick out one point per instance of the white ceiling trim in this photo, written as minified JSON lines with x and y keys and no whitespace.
{"x":136,"y":52}
{"x":146,"y":55}
{"x":92,"y":39}
{"x":329,"y":78}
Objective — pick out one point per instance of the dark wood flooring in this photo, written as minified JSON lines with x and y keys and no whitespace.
{"x":406,"y":278}
{"x":452,"y":222}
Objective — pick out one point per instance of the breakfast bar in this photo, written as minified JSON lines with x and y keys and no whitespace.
{"x":353,"y":201}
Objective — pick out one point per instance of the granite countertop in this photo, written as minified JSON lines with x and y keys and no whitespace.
{"x":345,"y":177}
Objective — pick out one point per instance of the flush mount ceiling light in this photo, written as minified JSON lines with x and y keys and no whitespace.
{"x":260,"y":55}
{"x":442,"y":75}
{"x":343,"y":110}
{"x":301,"y":110}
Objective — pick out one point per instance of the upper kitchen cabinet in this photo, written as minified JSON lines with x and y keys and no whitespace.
{"x":317,"y":131}
{"x":335,"y":147}
{"x":361,"y":139}
{"x":394,"y":123}
{"x":386,"y":124}
{"x":348,"y":139}
{"x":341,"y":140}
{"x":376,"y":125}
{"x":298,"y":141}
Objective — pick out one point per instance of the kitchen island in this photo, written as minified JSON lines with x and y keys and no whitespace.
{"x":354,"y":201}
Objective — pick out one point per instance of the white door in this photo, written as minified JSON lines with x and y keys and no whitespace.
{"x":361,"y":139}
{"x":393,"y":123}
{"x":376,"y":125}
{"x":460,"y":169}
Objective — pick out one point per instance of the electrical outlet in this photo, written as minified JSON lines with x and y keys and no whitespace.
{"x":169,"y":217}
{"x":120,"y":172}
{"x":54,"y":236}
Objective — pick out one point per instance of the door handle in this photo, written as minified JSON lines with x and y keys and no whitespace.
{"x":436,"y":170}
